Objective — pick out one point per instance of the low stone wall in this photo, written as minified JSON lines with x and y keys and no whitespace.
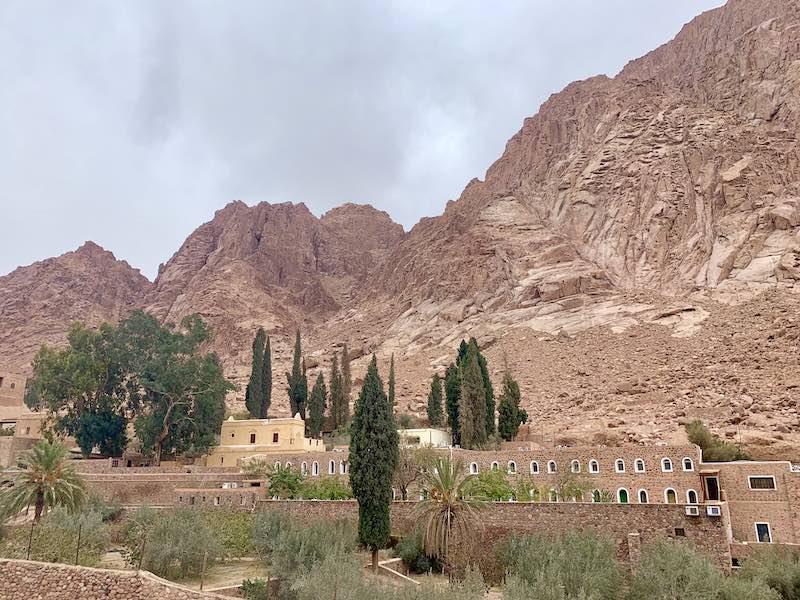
{"x":47,"y":581}
{"x":11,"y":447}
{"x":154,"y":489}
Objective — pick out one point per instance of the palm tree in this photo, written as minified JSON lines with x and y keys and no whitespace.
{"x":46,"y":482}
{"x":446,"y":511}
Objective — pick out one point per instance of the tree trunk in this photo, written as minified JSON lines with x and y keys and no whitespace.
{"x":39,"y":507}
{"x":375,"y":560}
{"x":164,"y":433}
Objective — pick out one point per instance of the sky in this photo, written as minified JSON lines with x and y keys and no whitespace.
{"x":130,"y":123}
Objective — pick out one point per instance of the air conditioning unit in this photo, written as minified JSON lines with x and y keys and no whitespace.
{"x":713,"y":511}
{"x":693,"y":511}
{"x":230,"y":485}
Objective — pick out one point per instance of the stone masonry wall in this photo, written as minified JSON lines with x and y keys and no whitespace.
{"x":154,"y":489}
{"x":21,"y":579}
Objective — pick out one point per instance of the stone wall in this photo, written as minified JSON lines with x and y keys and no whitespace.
{"x":10,"y":449}
{"x":47,"y":581}
{"x":153,"y":488}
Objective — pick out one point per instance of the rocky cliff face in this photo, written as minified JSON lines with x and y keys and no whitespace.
{"x":633,"y":254}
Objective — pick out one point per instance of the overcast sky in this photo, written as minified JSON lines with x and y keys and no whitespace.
{"x":130,"y":123}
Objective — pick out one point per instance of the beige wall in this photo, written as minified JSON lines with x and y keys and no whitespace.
{"x":12,"y":395}
{"x":424,"y":438}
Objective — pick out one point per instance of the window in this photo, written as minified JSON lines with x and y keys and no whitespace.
{"x":553,"y":496}
{"x":277,"y":464}
{"x":643,"y":497}
{"x":594,"y":466}
{"x":495,"y":466}
{"x":303,"y":468}
{"x":473,"y":468}
{"x":596,"y":496}
{"x":575,"y":466}
{"x":688,"y":464}
{"x":666,"y":465}
{"x":13,"y":385}
{"x":252,"y":438}
{"x":315,"y":468}
{"x":551,"y":466}
{"x":1,"y":382}
{"x":691,"y":497}
{"x":670,"y":497}
{"x":233,"y":434}
{"x":762,"y":482}
{"x":534,"y":467}
{"x":332,"y":467}
{"x":619,"y":465}
{"x":27,"y":430}
{"x":638,"y":465}
{"x":275,"y":437}
{"x":680,"y":532}
{"x":289,"y":465}
{"x":216,"y":501}
{"x":763,"y":533}
{"x":221,"y":459}
{"x":342,"y":467}
{"x":512,"y":467}
{"x":114,"y":462}
{"x":622,"y":496}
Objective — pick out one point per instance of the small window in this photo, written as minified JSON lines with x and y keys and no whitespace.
{"x":275,"y":438}
{"x":763,"y":533}
{"x":332,"y":467}
{"x":27,"y":430}
{"x":233,"y":435}
{"x":643,"y":497}
{"x":512,"y":467}
{"x":216,"y":501}
{"x":221,"y":459}
{"x":303,"y":468}
{"x":666,"y":465}
{"x":688,"y":464}
{"x":622,"y":496}
{"x":691,"y":497}
{"x":765,"y":482}
{"x":13,"y":385}
{"x":680,"y":532}
{"x":553,"y":496}
{"x":594,"y":466}
{"x":115,"y":462}
{"x":343,"y":467}
{"x":495,"y":466}
{"x":575,"y":466}
{"x":619,"y":465}
{"x":552,"y":467}
{"x":534,"y":467}
{"x":638,"y":466}
{"x":473,"y":468}
{"x":670,"y":497}
{"x":277,"y":464}
{"x":315,"y":468}
{"x":252,"y":438}
{"x":597,"y":496}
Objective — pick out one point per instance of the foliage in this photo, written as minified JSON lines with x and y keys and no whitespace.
{"x":490,"y":485}
{"x":325,"y":488}
{"x":266,"y":381}
{"x":510,"y":416}
{"x":435,"y":416}
{"x":738,"y":588}
{"x":472,"y":407}
{"x":340,"y":402}
{"x":255,"y":589}
{"x":284,"y":482}
{"x":267,"y":529}
{"x":668,"y":570}
{"x":714,"y":449}
{"x":259,"y":387}
{"x":488,"y":391}
{"x":452,"y":392}
{"x":406,"y":421}
{"x":257,"y":467}
{"x":109,"y":510}
{"x":576,"y":566}
{"x":316,"y":407}
{"x":347,"y":378}
{"x":297,"y":382}
{"x":778,"y":569}
{"x":46,"y":481}
{"x":411,"y":463}
{"x":412,"y":550}
{"x":175,"y":543}
{"x":392,"y":384}
{"x":373,"y":459}
{"x":233,"y":530}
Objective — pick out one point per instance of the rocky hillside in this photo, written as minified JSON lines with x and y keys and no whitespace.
{"x":633,"y":255}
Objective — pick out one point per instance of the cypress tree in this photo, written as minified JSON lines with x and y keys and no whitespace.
{"x":254,"y":399}
{"x":487,"y":388}
{"x":452,"y":391}
{"x":316,"y":407}
{"x":347,"y":380}
{"x":462,"y":351}
{"x":473,"y":401}
{"x":337,"y":394}
{"x":510,"y":415}
{"x":266,"y":382}
{"x":435,"y":416}
{"x":391,"y":383}
{"x":298,"y":384}
{"x":373,"y":458}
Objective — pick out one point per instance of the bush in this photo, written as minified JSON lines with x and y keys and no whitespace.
{"x":267,"y":528}
{"x":109,"y":510}
{"x":255,"y":589}
{"x":284,"y":482}
{"x":738,"y":588}
{"x":577,"y":565}
{"x":411,"y":550}
{"x":326,"y":488}
{"x":490,"y":485}
{"x":175,"y":542}
{"x":233,"y":530}
{"x":714,"y":449}
{"x":779,"y":569}
{"x":669,"y":570}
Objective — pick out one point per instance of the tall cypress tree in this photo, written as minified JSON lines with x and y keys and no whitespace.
{"x":347,"y":380}
{"x":473,"y":401}
{"x":266,"y":382}
{"x":452,"y":392}
{"x":316,"y":407}
{"x":298,"y":384}
{"x":337,"y":394}
{"x":435,"y":416}
{"x":487,"y":388}
{"x":373,"y":458}
{"x":254,"y":397}
{"x":392,"y":383}
{"x":510,"y":415}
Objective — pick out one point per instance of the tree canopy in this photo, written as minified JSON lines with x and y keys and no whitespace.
{"x":316,"y":407}
{"x":435,"y":416}
{"x":298,"y":383}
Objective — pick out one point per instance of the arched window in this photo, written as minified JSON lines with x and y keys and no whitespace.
{"x":288,"y":464}
{"x":575,"y":466}
{"x":512,"y":467}
{"x":342,"y":467}
{"x":551,"y":466}
{"x":666,"y":465}
{"x":303,"y":468}
{"x":578,"y":496}
{"x":473,"y":468}
{"x":594,"y":466}
{"x":553,"y":496}
{"x":495,"y":466}
{"x":691,"y":497}
{"x":596,"y":496}
{"x":688,"y":464}
{"x":277,"y":464}
{"x":638,"y":466}
{"x":619,"y":465}
{"x":622,"y":496}
{"x":332,"y":467}
{"x":534,"y":467}
{"x":643,"y":497}
{"x":670,"y":497}
{"x":315,"y":468}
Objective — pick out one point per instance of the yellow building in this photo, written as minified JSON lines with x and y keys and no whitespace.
{"x":240,"y":439}
{"x":424,"y":438}
{"x":12,"y":396}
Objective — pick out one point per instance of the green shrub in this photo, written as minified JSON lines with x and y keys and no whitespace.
{"x":714,"y":449}
{"x":779,"y":569}
{"x":233,"y":530}
{"x":110,"y":510}
{"x":326,"y":488}
{"x":267,"y":528}
{"x":284,"y":482}
{"x":411,"y":550}
{"x":255,"y":589}
{"x":490,"y":485}
{"x":576,"y":565}
{"x":670,"y":570}
{"x":738,"y":588}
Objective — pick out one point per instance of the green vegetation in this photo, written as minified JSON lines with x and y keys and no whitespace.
{"x":406,"y":421}
{"x":324,"y":488}
{"x":297,"y":382}
{"x":258,"y":396}
{"x":46,"y":482}
{"x":392,"y":384}
{"x":255,"y":589}
{"x":340,"y":404}
{"x":412,"y":550}
{"x":411,"y":463}
{"x":347,"y":378}
{"x":490,"y":485}
{"x":510,"y":415}
{"x":472,"y":407}
{"x":778,"y":569}
{"x":316,"y":407}
{"x":452,"y":393}
{"x":435,"y":415}
{"x":284,"y":482}
{"x":714,"y":449}
{"x":373,"y":459}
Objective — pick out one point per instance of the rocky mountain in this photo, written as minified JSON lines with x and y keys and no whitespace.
{"x":633,"y":255}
